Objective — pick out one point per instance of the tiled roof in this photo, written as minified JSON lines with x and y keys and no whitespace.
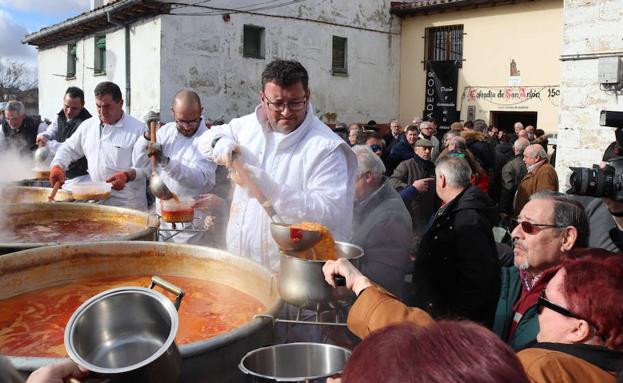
{"x":423,"y":7}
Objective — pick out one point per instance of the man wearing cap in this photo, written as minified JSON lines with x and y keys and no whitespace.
{"x":414,"y":179}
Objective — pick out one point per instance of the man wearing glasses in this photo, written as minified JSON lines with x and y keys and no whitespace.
{"x":304,"y":169}
{"x":548,"y":227}
{"x":181,"y":166}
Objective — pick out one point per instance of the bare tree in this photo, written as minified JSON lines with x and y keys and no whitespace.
{"x":14,"y":77}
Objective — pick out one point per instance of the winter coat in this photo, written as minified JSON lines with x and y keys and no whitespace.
{"x":308,"y":175}
{"x":600,"y":222}
{"x":503,"y":153}
{"x":423,"y":205}
{"x":571,"y":363}
{"x":543,"y":178}
{"x":512,"y":174}
{"x":381,"y":223}
{"x":478,"y":144}
{"x":401,"y":151}
{"x":390,"y":142}
{"x":528,"y":326}
{"x":456,"y":272}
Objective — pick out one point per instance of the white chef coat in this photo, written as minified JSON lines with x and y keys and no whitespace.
{"x":188,"y":173}
{"x":108,"y":149}
{"x":311,"y":178}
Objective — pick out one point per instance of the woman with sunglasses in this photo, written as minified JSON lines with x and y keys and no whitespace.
{"x":580,"y":318}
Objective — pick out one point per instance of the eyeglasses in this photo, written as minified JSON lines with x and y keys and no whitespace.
{"x":531,"y":228}
{"x":544,"y":302}
{"x":189,"y":123}
{"x":296,"y":106}
{"x":376,"y":148}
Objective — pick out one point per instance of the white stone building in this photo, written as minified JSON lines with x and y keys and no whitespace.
{"x":592,"y":31}
{"x":152,"y":48}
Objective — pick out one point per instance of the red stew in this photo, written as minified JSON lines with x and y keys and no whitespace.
{"x":33,"y":324}
{"x":75,"y":230}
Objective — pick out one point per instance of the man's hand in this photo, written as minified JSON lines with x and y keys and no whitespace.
{"x":224,"y":150}
{"x":354,"y":279}
{"x":42,"y":140}
{"x":423,"y":184}
{"x":57,"y":174}
{"x":58,"y":373}
{"x":118,"y":180}
{"x":154,"y":149}
{"x":210,"y":202}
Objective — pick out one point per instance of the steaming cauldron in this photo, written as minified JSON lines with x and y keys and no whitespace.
{"x":28,"y":194}
{"x":210,"y":360}
{"x":140,"y":225}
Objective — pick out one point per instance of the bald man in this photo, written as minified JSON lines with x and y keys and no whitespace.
{"x":180,"y":165}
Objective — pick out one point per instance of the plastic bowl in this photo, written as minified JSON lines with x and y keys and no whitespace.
{"x":91,"y":190}
{"x":180,"y":210}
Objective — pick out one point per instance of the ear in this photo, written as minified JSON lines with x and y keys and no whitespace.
{"x":442,"y":180}
{"x":580,"y":332}
{"x":173,"y":114}
{"x":569,"y":237}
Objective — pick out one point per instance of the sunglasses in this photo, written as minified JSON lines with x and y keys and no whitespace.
{"x":376,"y":148}
{"x":544,"y":302}
{"x":531,"y":228}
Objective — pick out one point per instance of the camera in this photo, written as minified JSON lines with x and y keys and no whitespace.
{"x":598,"y":182}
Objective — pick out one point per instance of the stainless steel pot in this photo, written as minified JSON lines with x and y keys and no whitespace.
{"x":26,"y":213}
{"x":211,"y":360}
{"x":294,"y":362}
{"x":302,"y":284}
{"x":127,"y":334}
{"x":31,"y":194}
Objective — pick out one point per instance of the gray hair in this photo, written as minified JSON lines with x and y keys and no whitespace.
{"x":16,"y":107}
{"x":394,"y":120}
{"x":368,"y":161}
{"x":456,"y":170}
{"x":424,"y":124}
{"x":520,"y":145}
{"x":567,"y":212}
{"x":480,"y":125}
{"x":458,"y":142}
{"x":536,"y":150}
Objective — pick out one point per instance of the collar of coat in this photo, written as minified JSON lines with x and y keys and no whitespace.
{"x":600,"y":356}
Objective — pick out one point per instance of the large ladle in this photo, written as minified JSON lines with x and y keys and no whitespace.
{"x":156,"y":184}
{"x":287,"y":237}
{"x":41,"y":154}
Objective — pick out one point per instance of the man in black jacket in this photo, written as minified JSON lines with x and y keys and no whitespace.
{"x":65,"y":124}
{"x":18,"y":130}
{"x":456,"y":273}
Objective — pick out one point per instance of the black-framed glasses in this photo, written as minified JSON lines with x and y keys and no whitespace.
{"x":188,"y":122}
{"x":295,"y":106}
{"x":531,"y":228}
{"x":376,"y":148}
{"x":544,"y":302}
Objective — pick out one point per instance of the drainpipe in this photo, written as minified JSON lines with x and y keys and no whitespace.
{"x":127,"y":59}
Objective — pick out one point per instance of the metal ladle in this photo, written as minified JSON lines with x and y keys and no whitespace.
{"x":156,"y":184}
{"x":41,"y":154}
{"x":281,"y":232}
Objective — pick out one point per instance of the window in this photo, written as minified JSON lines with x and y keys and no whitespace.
{"x":444,"y":43}
{"x":338,"y":61}
{"x":71,"y":61}
{"x":99,"y":66}
{"x":253,"y":42}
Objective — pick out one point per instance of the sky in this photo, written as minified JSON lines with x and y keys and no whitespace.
{"x":20,"y":17}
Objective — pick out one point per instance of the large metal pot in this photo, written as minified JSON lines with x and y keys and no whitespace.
{"x":28,"y":194}
{"x":210,"y":360}
{"x":302,"y":284}
{"x":127,"y":334}
{"x":27,"y":213}
{"x":294,"y":362}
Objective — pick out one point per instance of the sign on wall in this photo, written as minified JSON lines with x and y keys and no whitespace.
{"x":512,"y":97}
{"x":440,"y":99}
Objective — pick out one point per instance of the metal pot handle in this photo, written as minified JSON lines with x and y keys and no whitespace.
{"x":178,"y":292}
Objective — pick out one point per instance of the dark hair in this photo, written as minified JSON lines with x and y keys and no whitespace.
{"x":567,"y":212}
{"x":373,"y":134}
{"x":447,"y":351}
{"x":107,"y":87}
{"x":412,"y":127}
{"x":469,"y":124}
{"x":75,"y":92}
{"x":539,"y":132}
{"x":612,"y":151}
{"x":593,"y":287}
{"x":285,"y":73}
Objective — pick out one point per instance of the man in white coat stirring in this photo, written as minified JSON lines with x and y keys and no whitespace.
{"x":107,"y":141}
{"x":302,"y":167}
{"x":182,"y":167}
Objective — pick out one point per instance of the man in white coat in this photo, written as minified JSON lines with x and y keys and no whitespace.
{"x":107,"y":141}
{"x":302,"y":167}
{"x":181,"y":166}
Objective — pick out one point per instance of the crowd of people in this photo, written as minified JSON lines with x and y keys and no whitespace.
{"x":423,"y":206}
